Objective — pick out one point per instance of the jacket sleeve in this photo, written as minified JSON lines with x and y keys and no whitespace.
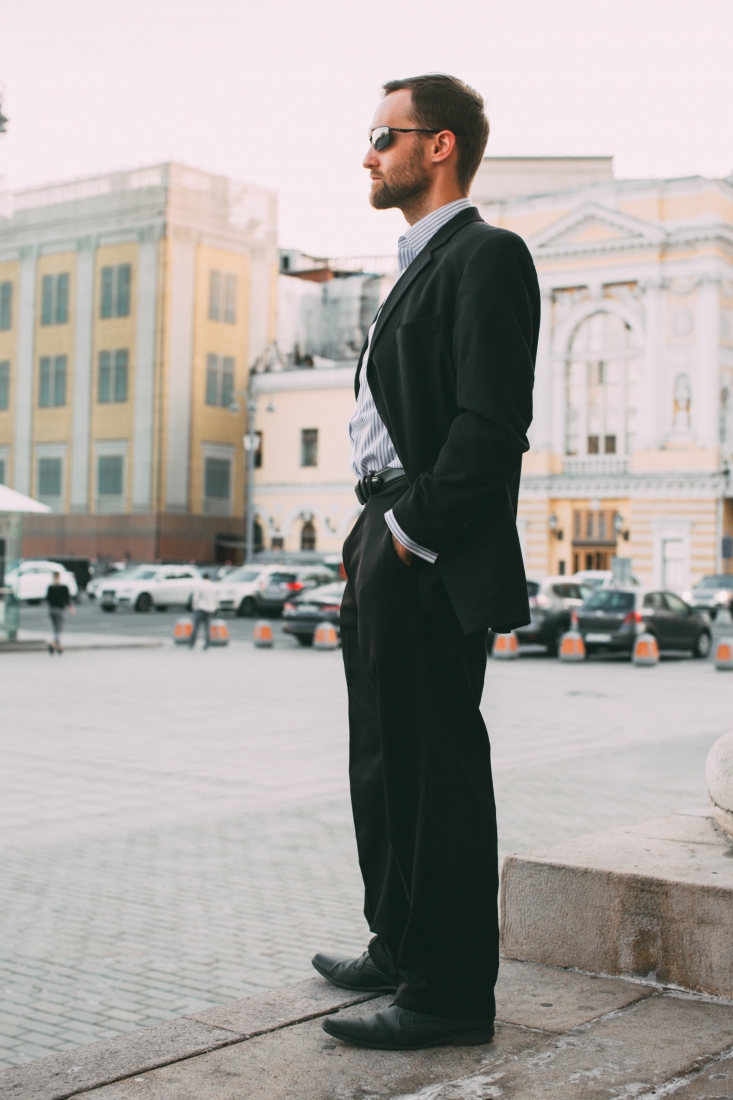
{"x":495,"y":329}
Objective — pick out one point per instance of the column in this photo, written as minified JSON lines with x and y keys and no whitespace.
{"x":180,"y":365}
{"x":649,"y":391}
{"x":705,"y":393}
{"x":24,"y":372}
{"x":144,"y":423}
{"x":82,"y":388}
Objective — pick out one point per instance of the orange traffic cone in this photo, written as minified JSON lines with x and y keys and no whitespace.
{"x":262,"y":635}
{"x":572,"y":646}
{"x":724,"y":654}
{"x":325,"y":636}
{"x":218,"y":632}
{"x":646,"y":651}
{"x":506,"y":647}
{"x":182,"y":631}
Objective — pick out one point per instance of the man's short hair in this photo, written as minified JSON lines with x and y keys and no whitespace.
{"x":443,"y":102}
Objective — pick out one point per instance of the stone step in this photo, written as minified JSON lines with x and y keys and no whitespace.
{"x":652,"y":901}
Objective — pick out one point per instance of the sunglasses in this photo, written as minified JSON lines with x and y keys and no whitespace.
{"x":381,"y":136}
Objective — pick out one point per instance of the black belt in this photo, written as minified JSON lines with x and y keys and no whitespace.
{"x":372,"y":484}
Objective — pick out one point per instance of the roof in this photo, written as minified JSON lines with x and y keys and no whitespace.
{"x":11,"y":501}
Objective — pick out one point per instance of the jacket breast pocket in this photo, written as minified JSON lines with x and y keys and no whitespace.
{"x":419,"y":331}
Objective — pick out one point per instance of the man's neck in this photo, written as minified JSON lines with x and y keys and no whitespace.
{"x":419,"y":206}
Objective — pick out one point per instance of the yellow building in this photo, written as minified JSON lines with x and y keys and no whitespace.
{"x":633,"y":424}
{"x":131,"y":307}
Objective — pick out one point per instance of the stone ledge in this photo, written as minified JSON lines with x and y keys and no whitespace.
{"x":652,"y":901}
{"x":63,"y":1075}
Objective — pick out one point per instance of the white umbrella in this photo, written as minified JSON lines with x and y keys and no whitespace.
{"x":11,"y":501}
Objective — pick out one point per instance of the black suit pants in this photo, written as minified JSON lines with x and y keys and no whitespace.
{"x":420,"y":771}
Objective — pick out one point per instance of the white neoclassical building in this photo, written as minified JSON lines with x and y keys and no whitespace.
{"x":633,"y":424}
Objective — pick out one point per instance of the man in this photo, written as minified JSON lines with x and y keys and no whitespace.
{"x":205,"y":603}
{"x":58,"y":598}
{"x":444,"y":401}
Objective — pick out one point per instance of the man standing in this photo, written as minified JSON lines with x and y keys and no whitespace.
{"x":444,"y":401}
{"x":205,"y":603}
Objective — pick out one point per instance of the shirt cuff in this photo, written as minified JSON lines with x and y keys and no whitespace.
{"x":399,"y":534}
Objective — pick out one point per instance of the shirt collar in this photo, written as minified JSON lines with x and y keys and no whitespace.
{"x":414,"y":239}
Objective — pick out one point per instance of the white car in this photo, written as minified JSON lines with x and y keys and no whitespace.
{"x":239,"y":588}
{"x":159,"y":586}
{"x":31,"y":579}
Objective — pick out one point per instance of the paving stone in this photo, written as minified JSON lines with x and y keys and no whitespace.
{"x":558,"y":1000}
{"x":176,"y":836}
{"x":714,"y":1083}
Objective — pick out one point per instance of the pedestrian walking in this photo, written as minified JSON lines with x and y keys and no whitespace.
{"x":205,"y":603}
{"x":443,"y":404}
{"x":58,"y":598}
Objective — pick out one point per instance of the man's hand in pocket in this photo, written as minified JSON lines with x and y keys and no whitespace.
{"x":402,"y":552}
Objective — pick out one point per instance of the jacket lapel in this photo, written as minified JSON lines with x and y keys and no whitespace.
{"x":417,"y":267}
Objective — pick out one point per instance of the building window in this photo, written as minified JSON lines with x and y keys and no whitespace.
{"x":55,"y":299}
{"x":308,"y":536}
{"x":217,"y":478}
{"x":222,"y":297}
{"x":113,"y":371}
{"x":4,"y":384}
{"x":309,"y":447}
{"x":219,"y":380}
{"x":52,"y":382}
{"x":110,"y":475}
{"x":115,"y":296}
{"x":2,"y":471}
{"x":258,"y":450}
{"x":600,"y":412}
{"x":6,"y":306}
{"x":49,"y":477}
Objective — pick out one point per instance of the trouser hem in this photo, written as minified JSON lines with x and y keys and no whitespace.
{"x":447,"y":1009}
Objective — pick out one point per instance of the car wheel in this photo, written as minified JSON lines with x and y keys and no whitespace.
{"x":161,"y":607}
{"x":108,"y":607}
{"x":35,"y":603}
{"x":703,"y":643}
{"x":143,"y":602}
{"x":305,"y":639}
{"x":247,"y":608}
{"x":553,"y":647}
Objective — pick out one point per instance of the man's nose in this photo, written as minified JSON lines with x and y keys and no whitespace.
{"x":371,"y":160}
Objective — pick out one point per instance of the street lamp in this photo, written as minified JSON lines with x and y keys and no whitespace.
{"x":552,"y":524}
{"x":250,"y":450}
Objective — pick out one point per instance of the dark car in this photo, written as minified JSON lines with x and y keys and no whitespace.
{"x":277,"y":587}
{"x":302,"y":615}
{"x":551,"y":603}
{"x":611,"y":618}
{"x":713,"y":594}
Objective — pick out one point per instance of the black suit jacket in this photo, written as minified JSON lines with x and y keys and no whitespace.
{"x":451,"y":370}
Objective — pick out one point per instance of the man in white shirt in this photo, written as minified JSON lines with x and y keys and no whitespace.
{"x":205,"y":603}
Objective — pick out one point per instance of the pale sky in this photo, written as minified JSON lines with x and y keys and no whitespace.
{"x":281,"y":93}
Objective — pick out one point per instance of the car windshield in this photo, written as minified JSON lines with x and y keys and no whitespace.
{"x":327,"y":592}
{"x":242,"y":575}
{"x":716,"y":582}
{"x":532,"y":588}
{"x":139,"y":575}
{"x":609,"y":599}
{"x":281,"y":578}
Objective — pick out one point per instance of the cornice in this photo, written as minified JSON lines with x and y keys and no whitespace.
{"x":673,"y":484}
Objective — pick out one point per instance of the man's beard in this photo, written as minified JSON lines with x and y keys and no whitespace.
{"x":406,"y":182}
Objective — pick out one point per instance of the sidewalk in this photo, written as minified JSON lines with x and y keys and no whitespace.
{"x":563,"y":1035}
{"x":72,"y":640}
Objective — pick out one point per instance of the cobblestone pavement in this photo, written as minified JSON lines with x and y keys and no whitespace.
{"x":175,"y":830}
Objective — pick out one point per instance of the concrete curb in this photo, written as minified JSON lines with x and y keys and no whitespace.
{"x":61,"y":1076}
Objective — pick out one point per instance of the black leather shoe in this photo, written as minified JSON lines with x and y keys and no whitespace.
{"x":397,"y":1028}
{"x":359,"y":975}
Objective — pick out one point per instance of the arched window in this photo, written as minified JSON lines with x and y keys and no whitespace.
{"x":259,"y":539}
{"x":308,"y":536}
{"x":600,"y":407}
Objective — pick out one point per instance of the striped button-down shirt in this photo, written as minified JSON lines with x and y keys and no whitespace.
{"x":371,"y":447}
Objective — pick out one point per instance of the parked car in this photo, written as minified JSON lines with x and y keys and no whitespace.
{"x":159,"y":586}
{"x":611,"y":618}
{"x":551,"y":603}
{"x":239,"y":588}
{"x":30,"y":580}
{"x":597,"y":578}
{"x":302,"y":615}
{"x":713,"y":594}
{"x":282,"y":584}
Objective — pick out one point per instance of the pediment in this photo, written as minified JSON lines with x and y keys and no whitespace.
{"x":592,"y":226}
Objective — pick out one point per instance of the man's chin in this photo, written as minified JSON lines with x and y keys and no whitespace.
{"x":381,"y":199}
